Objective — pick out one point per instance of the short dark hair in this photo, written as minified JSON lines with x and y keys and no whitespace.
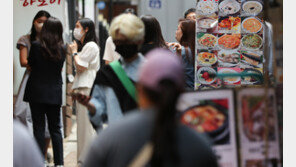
{"x":189,"y":11}
{"x":130,"y":10}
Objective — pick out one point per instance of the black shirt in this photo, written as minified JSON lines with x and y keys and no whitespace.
{"x":45,"y":81}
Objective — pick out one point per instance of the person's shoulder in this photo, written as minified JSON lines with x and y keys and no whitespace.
{"x":91,"y":44}
{"x":109,"y":39}
{"x":128,"y":125}
{"x":25,"y":37}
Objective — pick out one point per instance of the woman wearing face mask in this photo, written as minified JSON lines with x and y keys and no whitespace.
{"x":44,"y":88}
{"x":185,"y":35}
{"x":22,"y":108}
{"x":87,"y":63}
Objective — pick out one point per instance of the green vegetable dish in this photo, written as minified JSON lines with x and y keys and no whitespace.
{"x":252,"y":41}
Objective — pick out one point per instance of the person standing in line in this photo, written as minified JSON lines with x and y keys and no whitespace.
{"x":153,"y":136}
{"x":185,"y":35}
{"x":114,"y":93}
{"x":153,"y":35}
{"x":44,"y":87}
{"x":110,"y":54}
{"x":21,"y":108}
{"x":87,"y":63}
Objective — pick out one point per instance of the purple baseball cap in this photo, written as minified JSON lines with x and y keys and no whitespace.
{"x":161,"y":64}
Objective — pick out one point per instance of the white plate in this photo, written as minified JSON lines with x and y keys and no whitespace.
{"x":210,"y":70}
{"x":259,"y":5}
{"x":229,"y":4}
{"x":207,"y":7}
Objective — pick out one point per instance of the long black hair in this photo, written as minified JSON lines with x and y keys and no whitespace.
{"x":41,"y":13}
{"x":91,"y":33}
{"x":164,"y":138}
{"x":52,"y":39}
{"x":153,"y":31}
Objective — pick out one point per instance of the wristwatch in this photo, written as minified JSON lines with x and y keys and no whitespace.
{"x":74,"y":54}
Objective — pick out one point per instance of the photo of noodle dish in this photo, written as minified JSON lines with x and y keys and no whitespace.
{"x":206,"y":40}
{"x":207,"y":7}
{"x":206,"y":58}
{"x":252,"y":41}
{"x":228,"y":58}
{"x":209,"y":117}
{"x":229,"y":7}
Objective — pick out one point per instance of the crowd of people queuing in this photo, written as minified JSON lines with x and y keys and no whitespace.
{"x":134,"y":93}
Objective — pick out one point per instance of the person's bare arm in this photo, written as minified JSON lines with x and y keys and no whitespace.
{"x":23,"y":56}
{"x":74,"y":49}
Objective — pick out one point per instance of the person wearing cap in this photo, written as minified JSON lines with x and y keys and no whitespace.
{"x":110,"y":54}
{"x":110,"y":97}
{"x":153,"y":136}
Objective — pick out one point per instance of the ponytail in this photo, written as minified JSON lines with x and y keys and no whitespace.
{"x":164,"y":131}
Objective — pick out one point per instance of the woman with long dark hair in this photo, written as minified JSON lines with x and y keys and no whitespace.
{"x":87,"y":63}
{"x":153,"y":137}
{"x":185,"y":35}
{"x":44,"y":87}
{"x":153,"y":35}
{"x":21,"y":108}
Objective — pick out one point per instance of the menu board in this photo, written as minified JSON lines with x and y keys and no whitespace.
{"x":229,"y":39}
{"x":212,"y":113}
{"x":255,"y":124}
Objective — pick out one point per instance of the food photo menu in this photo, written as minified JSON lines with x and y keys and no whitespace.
{"x":212,"y":113}
{"x":257,"y":122}
{"x":229,"y":35}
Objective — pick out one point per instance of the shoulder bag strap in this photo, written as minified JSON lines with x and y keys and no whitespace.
{"x":126,"y":82}
{"x":143,"y":157}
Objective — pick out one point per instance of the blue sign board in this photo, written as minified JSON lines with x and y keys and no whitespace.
{"x":101,"y":5}
{"x":155,"y":4}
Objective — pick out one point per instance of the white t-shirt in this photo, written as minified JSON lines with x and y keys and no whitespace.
{"x":110,"y":54}
{"x":89,"y":58}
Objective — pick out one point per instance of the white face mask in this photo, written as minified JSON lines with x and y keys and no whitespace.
{"x":38,"y":27}
{"x":77,"y":33}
